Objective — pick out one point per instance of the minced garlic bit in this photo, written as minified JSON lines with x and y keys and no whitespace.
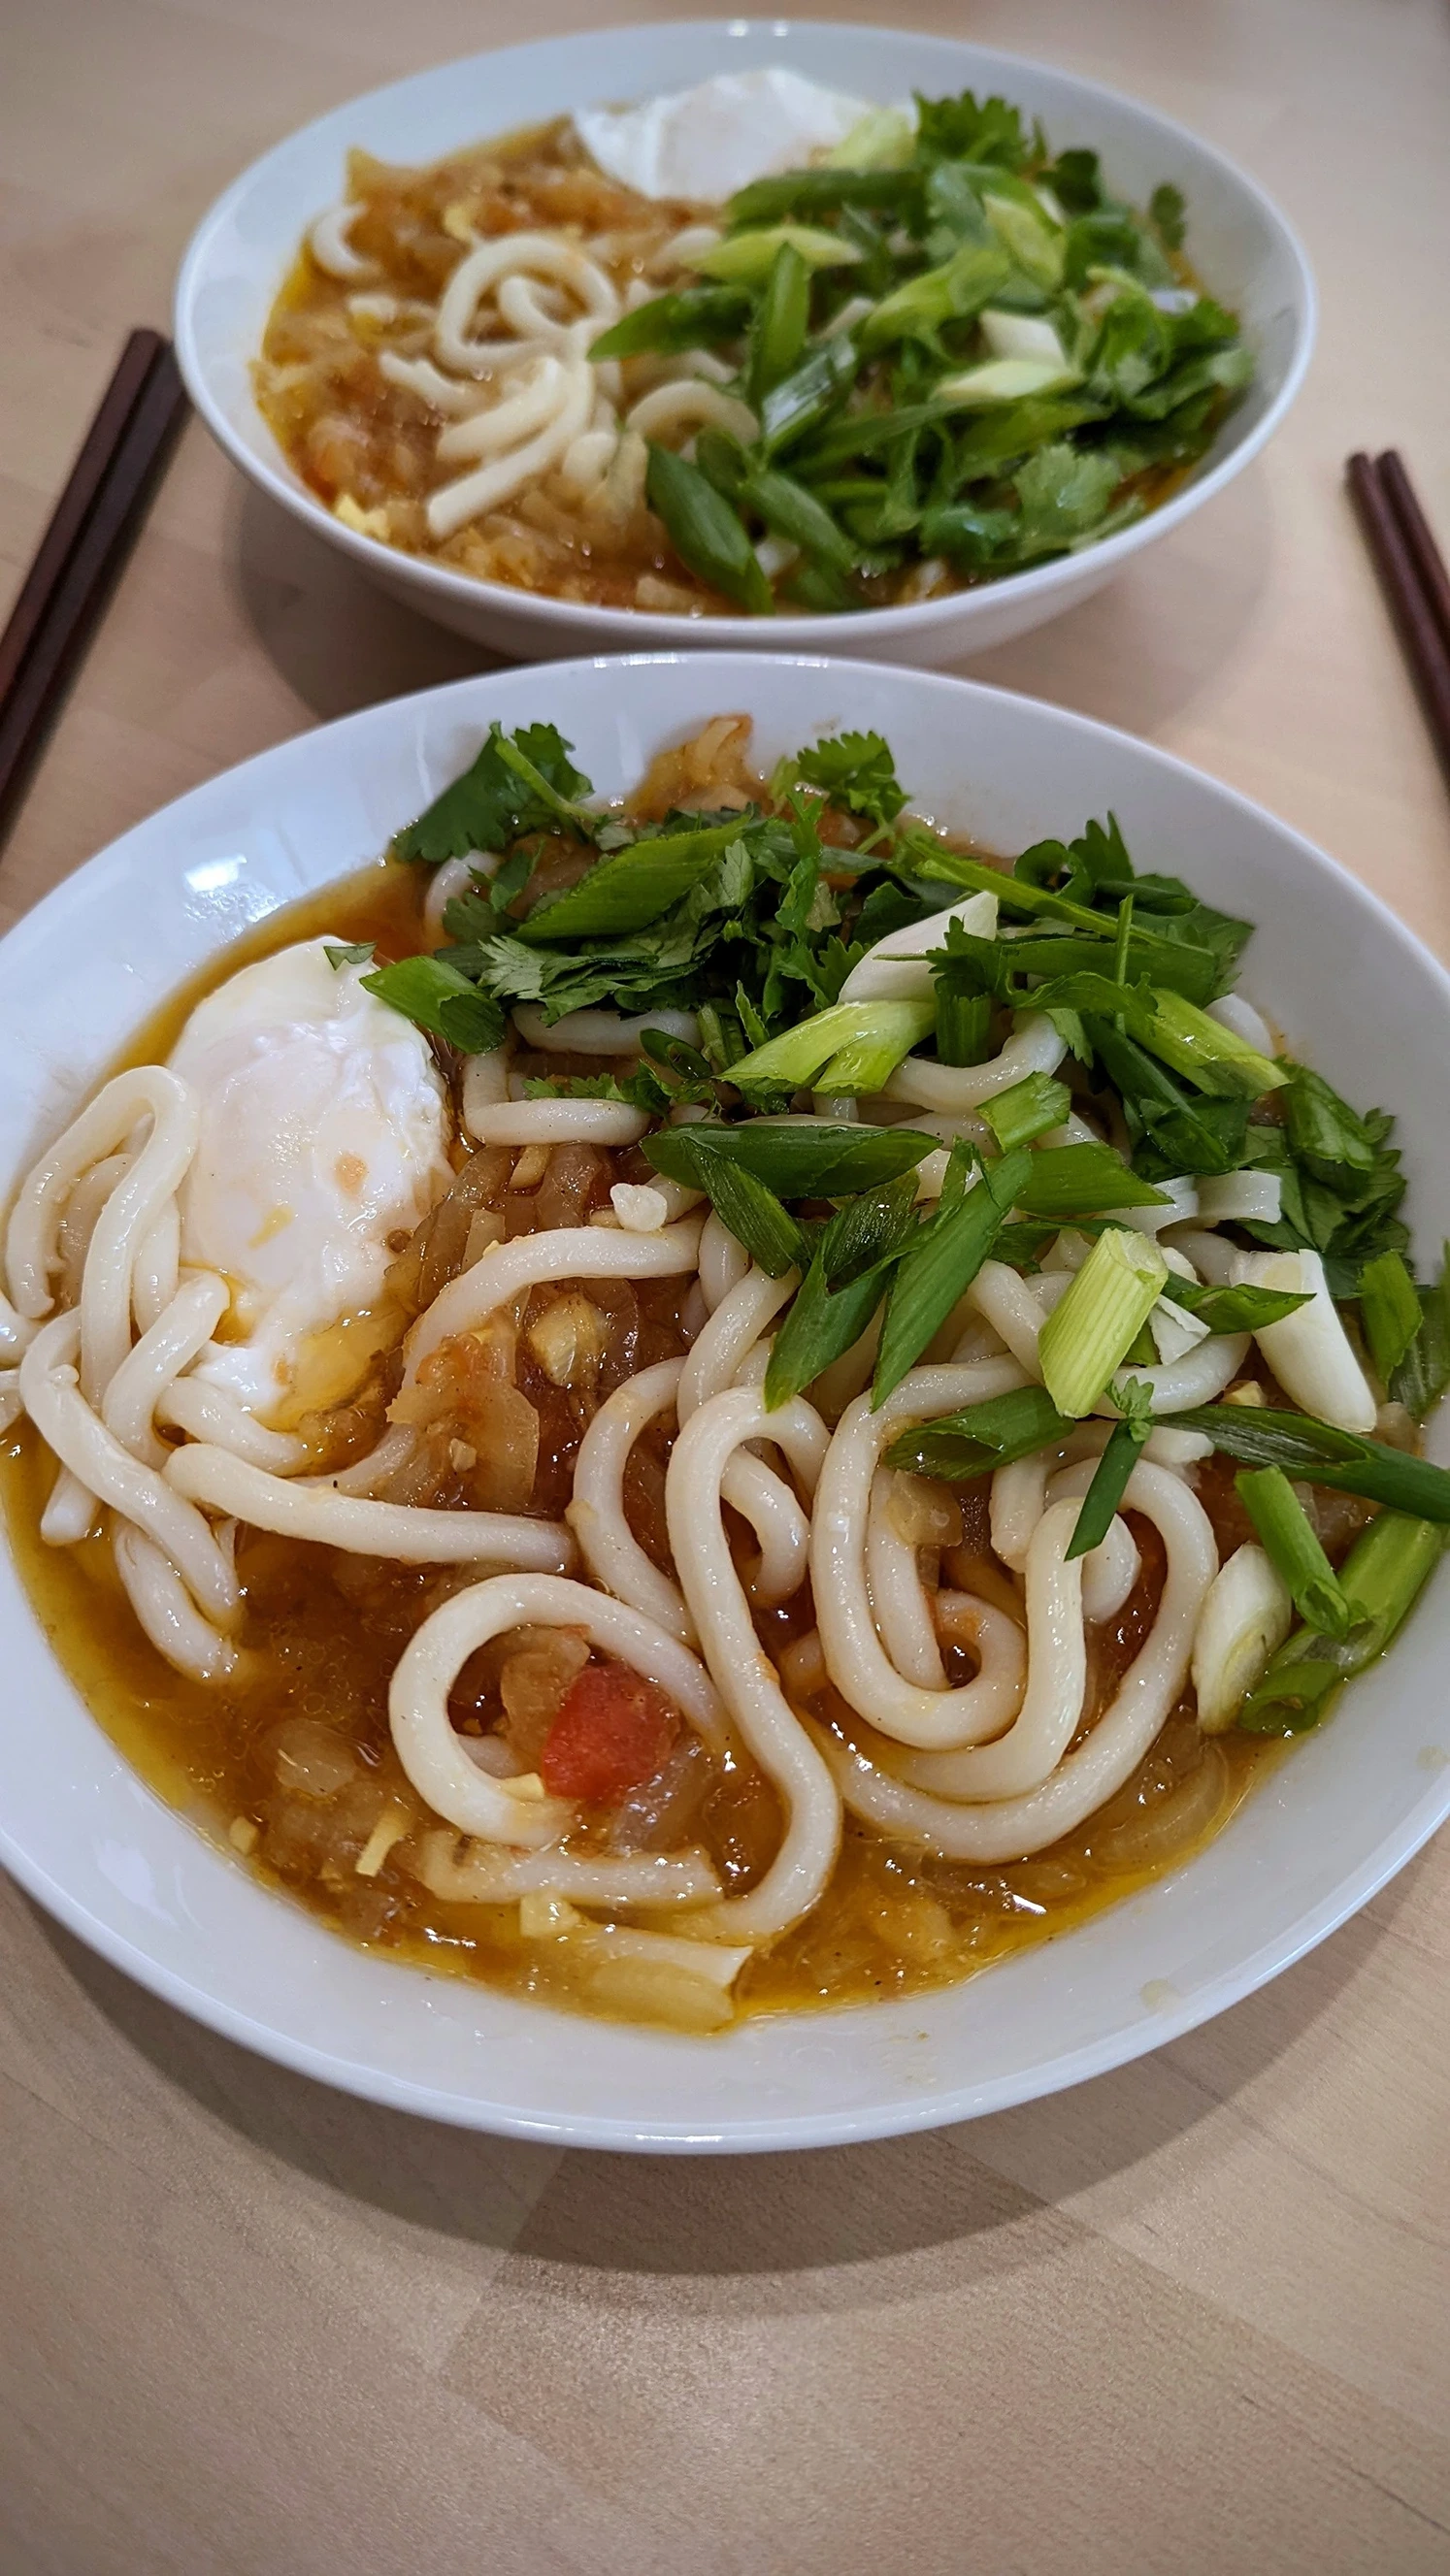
{"x":543,"y":1918}
{"x":368,"y":523}
{"x":1248,"y":1391}
{"x":458,"y":222}
{"x":528,"y":1786}
{"x":243,"y":1834}
{"x":461,"y":1456}
{"x":486,"y":1228}
{"x":392,"y":1825}
{"x":639,"y":1208}
{"x":530,"y":1168}
{"x":568,"y":1339}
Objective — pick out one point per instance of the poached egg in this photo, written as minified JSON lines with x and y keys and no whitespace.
{"x":706,"y":142}
{"x":324,"y":1129}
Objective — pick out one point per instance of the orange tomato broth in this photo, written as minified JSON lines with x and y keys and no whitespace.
{"x":323,"y":1631}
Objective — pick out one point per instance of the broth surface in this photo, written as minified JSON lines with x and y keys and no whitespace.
{"x":292,"y":1765}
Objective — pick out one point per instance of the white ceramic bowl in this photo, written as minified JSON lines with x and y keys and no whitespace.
{"x":241,"y":252}
{"x":1353,"y":992}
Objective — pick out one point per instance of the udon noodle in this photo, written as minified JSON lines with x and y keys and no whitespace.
{"x":532,"y":1632}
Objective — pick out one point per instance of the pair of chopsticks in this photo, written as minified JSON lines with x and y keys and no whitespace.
{"x":1413,"y":576}
{"x":91,"y":530}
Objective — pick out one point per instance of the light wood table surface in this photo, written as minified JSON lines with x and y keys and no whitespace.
{"x":1190,"y":2320}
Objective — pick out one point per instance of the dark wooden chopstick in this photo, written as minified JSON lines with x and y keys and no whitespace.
{"x":93,"y":523}
{"x":1414,"y":527}
{"x":1413,"y":578}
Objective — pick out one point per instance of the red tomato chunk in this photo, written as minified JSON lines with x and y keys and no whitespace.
{"x":613,"y":1730}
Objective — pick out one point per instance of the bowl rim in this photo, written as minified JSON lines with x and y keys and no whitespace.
{"x":577,"y":623}
{"x":937,"y":2105}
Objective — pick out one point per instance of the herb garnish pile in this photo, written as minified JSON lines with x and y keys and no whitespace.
{"x":752,"y":920}
{"x":956,"y":345}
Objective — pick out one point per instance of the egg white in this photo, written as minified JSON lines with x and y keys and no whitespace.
{"x":324,"y":1129}
{"x":706,"y":142}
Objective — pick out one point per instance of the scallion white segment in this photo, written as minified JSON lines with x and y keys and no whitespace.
{"x":1309,"y":1351}
{"x":1023,"y":335}
{"x":1245,"y":1618}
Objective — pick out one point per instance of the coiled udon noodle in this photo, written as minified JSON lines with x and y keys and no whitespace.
{"x":508,"y":373}
{"x":97,"y":1377}
{"x":103,"y":1326}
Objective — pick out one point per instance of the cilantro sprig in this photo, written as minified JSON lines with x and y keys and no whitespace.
{"x":954,"y":344}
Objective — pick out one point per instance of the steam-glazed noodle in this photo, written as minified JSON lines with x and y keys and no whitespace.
{"x":1031,"y":1794}
{"x":526,"y":1629}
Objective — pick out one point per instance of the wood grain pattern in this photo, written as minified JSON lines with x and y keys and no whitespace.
{"x":1192,"y":2318}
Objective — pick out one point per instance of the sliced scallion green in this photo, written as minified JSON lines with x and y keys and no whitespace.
{"x":753,"y":1214}
{"x":1214,"y":1057}
{"x":1028,"y":1110}
{"x":854,"y":1046}
{"x":1005,"y":380}
{"x":1288,"y":1539}
{"x":1091,"y":1331}
{"x":963,"y":1026}
{"x":1382,"y":1577}
{"x":1236,"y":1310}
{"x":1390,"y":1311}
{"x":819,"y":191}
{"x":821,"y":1326}
{"x":707,"y":535}
{"x":959,"y":288}
{"x":696,"y":318}
{"x":841,"y":1290}
{"x":1069,"y":1181}
{"x":1424,"y":1372}
{"x":778,"y":335}
{"x":747,"y":258}
{"x":1111,"y":1478}
{"x":797,"y":1158}
{"x":1321,"y":1454}
{"x":808,"y":393}
{"x":959,"y":1446}
{"x":940,"y":1266}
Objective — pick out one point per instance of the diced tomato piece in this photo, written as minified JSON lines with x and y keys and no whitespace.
{"x":613,"y":1730}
